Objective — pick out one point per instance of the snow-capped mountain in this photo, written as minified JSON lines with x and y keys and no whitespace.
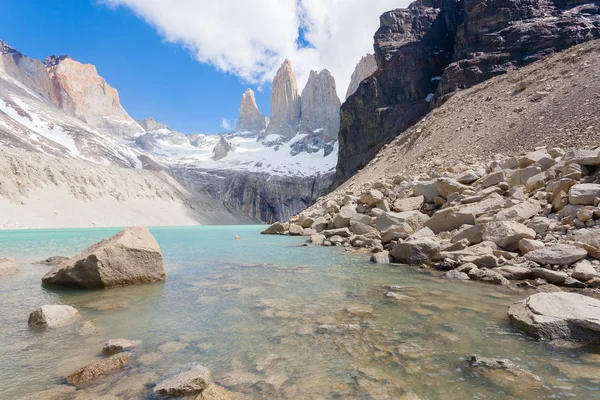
{"x":63,"y":108}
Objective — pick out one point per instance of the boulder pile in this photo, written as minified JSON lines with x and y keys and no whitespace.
{"x":532,"y":218}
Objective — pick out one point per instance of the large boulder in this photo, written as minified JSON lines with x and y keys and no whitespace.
{"x":342,"y":219}
{"x":415,"y":251}
{"x":190,"y":382}
{"x":554,"y":277}
{"x":275,"y":229}
{"x":554,"y":316}
{"x":520,"y":212}
{"x":371,"y":197}
{"x":450,"y":219}
{"x":584,"y":193}
{"x":558,"y":254}
{"x":584,"y":271}
{"x":52,"y":316}
{"x":130,"y":257}
{"x":507,"y":234}
{"x":408,"y":204}
{"x":414,"y":219}
{"x":589,"y":239}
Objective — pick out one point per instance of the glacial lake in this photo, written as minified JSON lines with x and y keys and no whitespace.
{"x":250,"y":309}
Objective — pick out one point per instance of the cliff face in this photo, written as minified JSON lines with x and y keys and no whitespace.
{"x":365,"y":68}
{"x":320,"y":111}
{"x":79,"y":91}
{"x":250,"y":119}
{"x":426,"y":52}
{"x":285,"y":103}
{"x":261,"y":196}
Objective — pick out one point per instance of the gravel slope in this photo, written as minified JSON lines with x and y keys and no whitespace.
{"x":553,"y":102}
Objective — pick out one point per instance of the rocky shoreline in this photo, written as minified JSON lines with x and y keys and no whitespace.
{"x":530,"y":221}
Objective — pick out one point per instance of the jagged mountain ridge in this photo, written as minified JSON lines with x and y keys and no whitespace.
{"x":426,"y":52}
{"x":64,"y":108}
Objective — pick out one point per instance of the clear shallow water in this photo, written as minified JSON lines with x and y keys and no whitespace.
{"x":249,"y":310}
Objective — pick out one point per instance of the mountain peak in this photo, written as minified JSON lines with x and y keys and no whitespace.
{"x":53,"y":60}
{"x":5,"y":48}
{"x":250,"y":119}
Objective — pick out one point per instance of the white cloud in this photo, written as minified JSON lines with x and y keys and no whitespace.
{"x":252,"y":38}
{"x":225,"y":124}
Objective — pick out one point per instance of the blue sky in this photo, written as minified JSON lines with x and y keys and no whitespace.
{"x":153,"y":77}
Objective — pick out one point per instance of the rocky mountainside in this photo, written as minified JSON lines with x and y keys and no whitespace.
{"x":431,"y":49}
{"x":65,"y":109}
{"x":43,"y":191}
{"x":500,"y":184}
{"x":30,"y":118}
{"x":364,"y":69}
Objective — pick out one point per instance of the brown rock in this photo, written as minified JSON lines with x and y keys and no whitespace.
{"x":130,"y":257}
{"x":97,"y":369}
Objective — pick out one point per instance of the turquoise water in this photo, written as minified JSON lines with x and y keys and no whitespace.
{"x":250,"y":310}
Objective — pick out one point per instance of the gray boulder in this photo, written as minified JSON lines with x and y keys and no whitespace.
{"x":507,"y":234}
{"x":130,"y":257}
{"x":276,"y":229}
{"x":589,"y":239}
{"x":584,"y":271}
{"x":449,"y":219}
{"x":554,"y":277}
{"x":454,"y":274}
{"x":554,"y":316}
{"x":584,"y":193}
{"x":558,"y":254}
{"x":487,"y":275}
{"x":383,"y":257}
{"x":295,"y":230}
{"x":415,"y":251}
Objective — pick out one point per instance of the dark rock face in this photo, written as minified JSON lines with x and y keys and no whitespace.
{"x":263,"y":197}
{"x":426,"y":52}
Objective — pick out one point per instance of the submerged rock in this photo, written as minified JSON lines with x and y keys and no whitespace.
{"x":115,"y":346}
{"x":97,"y":369}
{"x":52,"y":316}
{"x":130,"y":257}
{"x":7,"y":267}
{"x":53,"y":260}
{"x":187,"y":383}
{"x":554,"y":316}
{"x":504,"y":373}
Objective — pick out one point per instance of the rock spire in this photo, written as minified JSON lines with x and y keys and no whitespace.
{"x":250,"y":119}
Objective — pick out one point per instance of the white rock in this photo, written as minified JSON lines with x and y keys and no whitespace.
{"x":553,"y":316}
{"x":584,"y":271}
{"x":520,"y":212}
{"x":449,"y":219}
{"x":527,"y":245}
{"x":507,"y":234}
{"x":584,"y":193}
{"x":52,"y":316}
{"x":557,"y":254}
